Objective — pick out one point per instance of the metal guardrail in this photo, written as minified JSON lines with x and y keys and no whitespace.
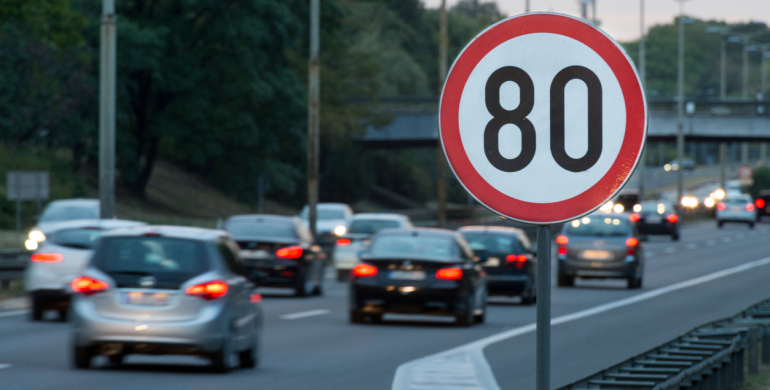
{"x":708,"y":357}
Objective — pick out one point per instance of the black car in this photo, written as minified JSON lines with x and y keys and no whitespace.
{"x":418,"y":271}
{"x":601,"y":245}
{"x":656,"y":217}
{"x":280,"y":251}
{"x":762,"y":204}
{"x":507,"y":257}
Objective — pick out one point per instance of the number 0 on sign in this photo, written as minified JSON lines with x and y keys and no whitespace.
{"x":543,"y":118}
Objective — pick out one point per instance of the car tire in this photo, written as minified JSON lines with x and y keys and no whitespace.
{"x":751,"y":225}
{"x":250,"y":357}
{"x":465,"y":317}
{"x":675,"y":236}
{"x":303,"y":286}
{"x":720,"y":224}
{"x":566,"y":281}
{"x":528,"y":299}
{"x":36,"y":314}
{"x":63,"y":315}
{"x":220,"y":360}
{"x":357,"y":317}
{"x":342,"y":275}
{"x":116,"y":359}
{"x":634,"y":282}
{"x":481,"y":318}
{"x":81,"y":357}
{"x":318,"y":290}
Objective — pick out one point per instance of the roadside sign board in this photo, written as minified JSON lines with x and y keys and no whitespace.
{"x":27,"y":185}
{"x":543,"y":118}
{"x":745,"y":175}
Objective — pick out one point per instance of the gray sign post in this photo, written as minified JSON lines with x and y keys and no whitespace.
{"x":26,"y":185}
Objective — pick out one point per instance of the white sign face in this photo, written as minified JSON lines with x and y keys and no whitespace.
{"x":543,"y":118}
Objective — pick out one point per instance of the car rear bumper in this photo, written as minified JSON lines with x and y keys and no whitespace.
{"x":508,"y":284}
{"x":598,"y":269}
{"x":53,"y":297}
{"x":727,"y":216}
{"x":394,"y":299}
{"x":202,"y":334}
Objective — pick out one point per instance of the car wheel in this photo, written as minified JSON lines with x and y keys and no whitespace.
{"x":81,"y":357}
{"x":720,"y":224}
{"x":465,"y":317}
{"x":36,"y":314}
{"x":751,"y":225}
{"x":566,"y":281}
{"x":528,"y":299}
{"x":220,"y":360}
{"x":63,"y":315}
{"x":250,"y":357}
{"x":303,"y":286}
{"x":116,"y":359}
{"x":481,"y":318}
{"x":318,"y":290}
{"x":356,"y":317}
{"x":634,"y":282}
{"x":675,"y":236}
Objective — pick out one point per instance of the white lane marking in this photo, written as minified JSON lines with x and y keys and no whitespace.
{"x":13,"y":313}
{"x":670,"y":250}
{"x":692,"y":245}
{"x":412,"y":375}
{"x":303,"y":314}
{"x":5,"y":366}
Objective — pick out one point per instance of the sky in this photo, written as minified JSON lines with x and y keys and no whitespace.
{"x":620,"y":18}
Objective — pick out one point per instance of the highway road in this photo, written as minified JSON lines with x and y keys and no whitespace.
{"x":308,"y":343}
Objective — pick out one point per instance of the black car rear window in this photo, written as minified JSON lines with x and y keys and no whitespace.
{"x":494,"y":243}
{"x":412,"y":247}
{"x":170,"y":261}
{"x":76,"y":238}
{"x":371,"y":226}
{"x":657,"y":207}
{"x":600,"y":226}
{"x":736,"y":201}
{"x":261,"y":228}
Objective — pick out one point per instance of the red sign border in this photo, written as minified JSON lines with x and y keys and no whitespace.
{"x":636,"y":118}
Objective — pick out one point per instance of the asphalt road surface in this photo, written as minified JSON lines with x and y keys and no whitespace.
{"x":309,"y":344}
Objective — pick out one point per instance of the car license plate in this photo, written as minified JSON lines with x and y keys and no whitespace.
{"x":735,"y":209}
{"x":653,"y":219}
{"x":597,"y":255}
{"x":492,"y":262}
{"x":407,"y":275}
{"x":145,"y":299}
{"x":258,"y":254}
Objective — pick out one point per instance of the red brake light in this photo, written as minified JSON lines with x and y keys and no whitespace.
{"x":343,"y":242}
{"x":631,"y":244}
{"x":760,"y":203}
{"x":292,"y":252}
{"x":87,"y":286}
{"x":364,"y":270}
{"x":210,"y":290}
{"x":672,"y":218}
{"x":516,"y":258}
{"x":562,"y":250}
{"x":749,"y":207}
{"x":255,"y":298}
{"x":47,"y":257}
{"x":562,"y":240}
{"x":721,"y":206}
{"x":449,"y":273}
{"x":634,"y":217}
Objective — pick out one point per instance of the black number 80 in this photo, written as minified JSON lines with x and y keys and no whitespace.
{"x":518,"y":118}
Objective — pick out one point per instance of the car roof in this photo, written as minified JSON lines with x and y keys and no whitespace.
{"x":75,"y":202}
{"x":422,"y":231}
{"x":100,"y":223}
{"x":263,"y":217}
{"x":330,"y":206}
{"x":192,"y":233}
{"x":490,"y":229}
{"x":385,"y":216}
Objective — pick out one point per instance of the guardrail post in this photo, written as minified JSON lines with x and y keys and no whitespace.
{"x":765,"y":345}
{"x":754,"y":351}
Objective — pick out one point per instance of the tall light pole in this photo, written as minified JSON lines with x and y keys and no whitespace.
{"x":680,"y":108}
{"x":526,"y":6}
{"x":107,"y":76}
{"x":642,"y":75}
{"x":722,"y":94}
{"x":440,"y":159}
{"x":314,"y":116}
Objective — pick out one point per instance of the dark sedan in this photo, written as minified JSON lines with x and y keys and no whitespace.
{"x":656,"y":217}
{"x":280,"y":251}
{"x":506,"y":255}
{"x":418,"y":271}
{"x":600,"y":246}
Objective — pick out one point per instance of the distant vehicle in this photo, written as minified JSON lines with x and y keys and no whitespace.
{"x":600,"y":246}
{"x":687,"y":164}
{"x":736,"y":208}
{"x":507,"y":257}
{"x":280,"y":251}
{"x":60,"y":211}
{"x":166,"y":290}
{"x":627,"y":198}
{"x":762,"y":204}
{"x":418,"y":270}
{"x":656,"y":217}
{"x":331,"y":222}
{"x":60,"y":259}
{"x":359,"y":231}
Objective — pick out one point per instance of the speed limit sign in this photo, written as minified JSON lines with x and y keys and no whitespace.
{"x":543,"y":118}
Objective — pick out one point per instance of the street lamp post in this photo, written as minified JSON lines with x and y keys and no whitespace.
{"x":107,"y":76}
{"x":680,"y":107}
{"x":314,"y":114}
{"x":440,"y":158}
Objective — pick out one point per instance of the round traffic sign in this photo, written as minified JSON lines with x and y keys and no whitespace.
{"x":542,"y":118}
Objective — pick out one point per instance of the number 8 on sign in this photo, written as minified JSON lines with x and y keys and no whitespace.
{"x":543,"y":118}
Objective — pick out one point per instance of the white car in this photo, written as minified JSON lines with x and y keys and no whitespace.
{"x":60,"y":212}
{"x":736,"y":208}
{"x":359,"y":231}
{"x":59,"y":260}
{"x":331,"y":222}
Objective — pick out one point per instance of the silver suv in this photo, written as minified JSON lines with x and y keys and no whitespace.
{"x":166,"y":290}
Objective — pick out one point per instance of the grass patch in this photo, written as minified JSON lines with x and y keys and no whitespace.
{"x":15,"y":289}
{"x":9,"y":239}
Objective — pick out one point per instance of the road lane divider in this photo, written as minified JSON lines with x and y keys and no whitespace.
{"x":428,"y":373}
{"x":5,"y":366}
{"x":305,"y":314}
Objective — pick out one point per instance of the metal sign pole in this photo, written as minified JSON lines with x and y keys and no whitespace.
{"x":543,"y":286}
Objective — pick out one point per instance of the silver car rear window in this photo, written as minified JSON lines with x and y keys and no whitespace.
{"x":68,"y":213}
{"x":413,"y":247}
{"x":85,"y":238}
{"x":371,"y":226}
{"x":600,"y":226}
{"x":261,"y":228}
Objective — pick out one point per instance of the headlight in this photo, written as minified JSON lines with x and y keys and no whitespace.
{"x":709,"y":202}
{"x":618,"y":208}
{"x":667,"y":167}
{"x":37,"y":235}
{"x":719,"y":194}
{"x":637,"y":208}
{"x":607,"y":207}
{"x":340,"y":230}
{"x":31,"y":245}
